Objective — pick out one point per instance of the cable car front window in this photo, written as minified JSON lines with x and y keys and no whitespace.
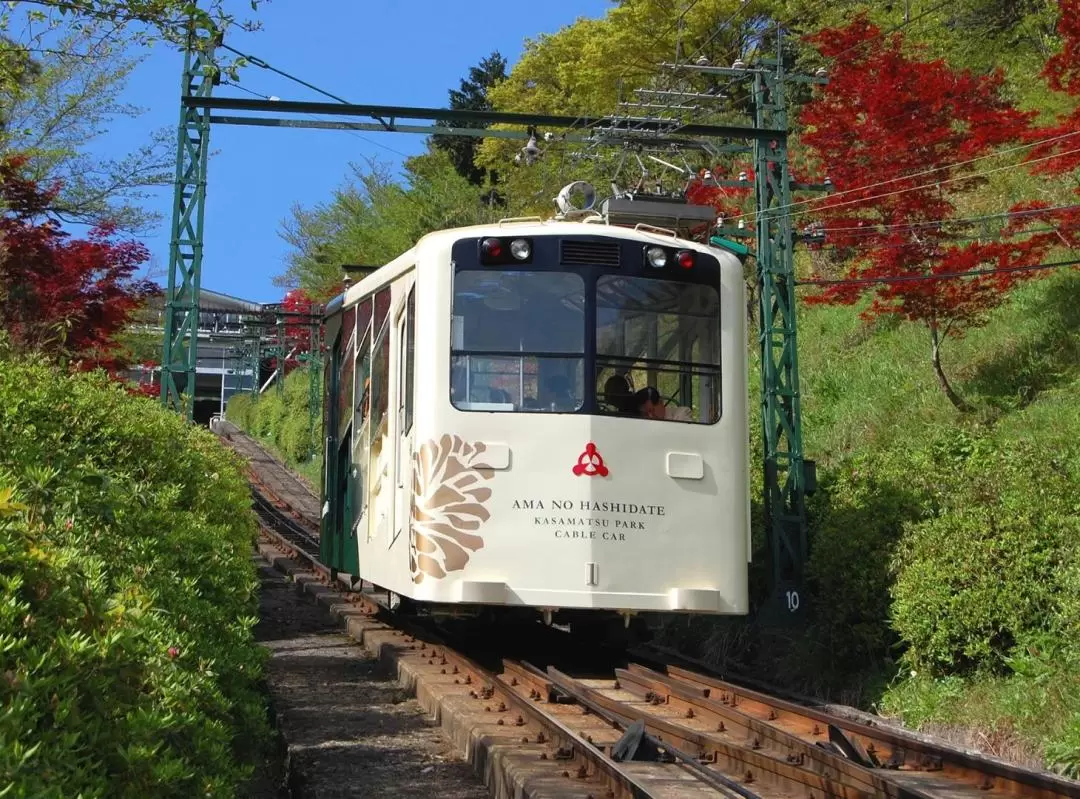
{"x":661,"y":335}
{"x":518,"y":341}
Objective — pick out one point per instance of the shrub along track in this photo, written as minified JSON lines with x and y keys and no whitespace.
{"x":531,"y":728}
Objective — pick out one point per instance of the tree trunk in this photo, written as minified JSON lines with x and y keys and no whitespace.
{"x":957,"y":401}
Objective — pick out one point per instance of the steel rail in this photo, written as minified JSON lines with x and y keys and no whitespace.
{"x":822,"y":752}
{"x":788,"y":775}
{"x":904,"y":758}
{"x":825,"y":752}
{"x":570,"y":745}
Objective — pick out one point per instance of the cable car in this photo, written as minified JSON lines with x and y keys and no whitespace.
{"x":545,"y":418}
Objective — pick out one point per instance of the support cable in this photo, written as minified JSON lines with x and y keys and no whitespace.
{"x":923,"y":173}
{"x":258,"y":62}
{"x":901,"y":226}
{"x":858,"y":281}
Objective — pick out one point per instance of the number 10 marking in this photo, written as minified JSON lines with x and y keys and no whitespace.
{"x":792,"y":601}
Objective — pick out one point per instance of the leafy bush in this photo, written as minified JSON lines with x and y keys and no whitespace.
{"x":857,"y":517}
{"x":128,"y":596}
{"x":239,"y":410}
{"x":283,"y":422}
{"x":987,"y":570}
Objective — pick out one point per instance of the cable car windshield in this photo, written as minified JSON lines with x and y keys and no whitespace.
{"x":518,"y":341}
{"x":657,"y":349}
{"x":524,"y":341}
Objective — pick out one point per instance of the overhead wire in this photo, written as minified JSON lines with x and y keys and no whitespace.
{"x":998,"y":236}
{"x":855,"y":281}
{"x":879,"y":229}
{"x":923,"y":173}
{"x":954,"y":179}
{"x":256,"y":61}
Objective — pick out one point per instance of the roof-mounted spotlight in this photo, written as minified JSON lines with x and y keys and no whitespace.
{"x":743,"y":177}
{"x":703,"y":60}
{"x":821,"y":72}
{"x":738,"y":64}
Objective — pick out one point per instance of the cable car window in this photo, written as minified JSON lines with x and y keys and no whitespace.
{"x":380,"y":382}
{"x":345,"y":373}
{"x":657,"y":349}
{"x":518,"y":341}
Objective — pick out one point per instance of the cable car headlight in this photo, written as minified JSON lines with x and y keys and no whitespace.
{"x":521,"y":249}
{"x":685,"y":259}
{"x":656,"y":256}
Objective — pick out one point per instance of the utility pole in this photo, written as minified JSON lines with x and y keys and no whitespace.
{"x":186,"y":247}
{"x":280,"y":378}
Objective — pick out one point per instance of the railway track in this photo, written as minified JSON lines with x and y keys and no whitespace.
{"x":537,"y":729}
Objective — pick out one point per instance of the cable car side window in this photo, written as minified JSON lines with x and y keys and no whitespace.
{"x":657,"y":349}
{"x":518,"y":341}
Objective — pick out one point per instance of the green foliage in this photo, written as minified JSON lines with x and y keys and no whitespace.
{"x":128,"y":596}
{"x":471,"y":96}
{"x":947,"y":554}
{"x":985,"y":571}
{"x":373,"y":219}
{"x":283,"y":424}
{"x":857,"y":517}
{"x":55,"y":115}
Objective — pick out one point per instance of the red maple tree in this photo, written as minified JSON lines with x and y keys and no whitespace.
{"x":727,"y":200}
{"x":297,"y":307}
{"x":61,"y":296}
{"x":1059,"y":152}
{"x":897,"y":135}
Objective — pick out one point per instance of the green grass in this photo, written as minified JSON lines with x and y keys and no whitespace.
{"x":870,"y":397}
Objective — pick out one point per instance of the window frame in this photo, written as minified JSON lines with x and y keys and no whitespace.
{"x":579,"y":356}
{"x":591,"y":362}
{"x":686,"y":370}
{"x":408,"y":365}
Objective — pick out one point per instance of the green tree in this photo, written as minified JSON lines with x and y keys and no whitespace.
{"x":471,"y":96}
{"x":62,"y":107}
{"x":373,"y":218}
{"x":587,"y":68}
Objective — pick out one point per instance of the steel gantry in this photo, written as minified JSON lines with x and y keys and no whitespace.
{"x":787,"y":474}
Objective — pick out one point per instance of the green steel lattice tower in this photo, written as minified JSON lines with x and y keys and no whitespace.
{"x":785,"y":478}
{"x":186,"y":247}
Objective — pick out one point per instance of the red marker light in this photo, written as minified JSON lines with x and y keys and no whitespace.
{"x":686,"y":259}
{"x":492,"y":248}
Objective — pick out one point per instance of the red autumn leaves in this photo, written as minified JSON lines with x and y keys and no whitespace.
{"x":62,"y":296}
{"x":903,"y":139}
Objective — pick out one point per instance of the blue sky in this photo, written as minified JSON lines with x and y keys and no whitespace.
{"x":401,"y":53}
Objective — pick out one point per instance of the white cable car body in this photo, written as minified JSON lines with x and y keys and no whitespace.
{"x":475,"y":460}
